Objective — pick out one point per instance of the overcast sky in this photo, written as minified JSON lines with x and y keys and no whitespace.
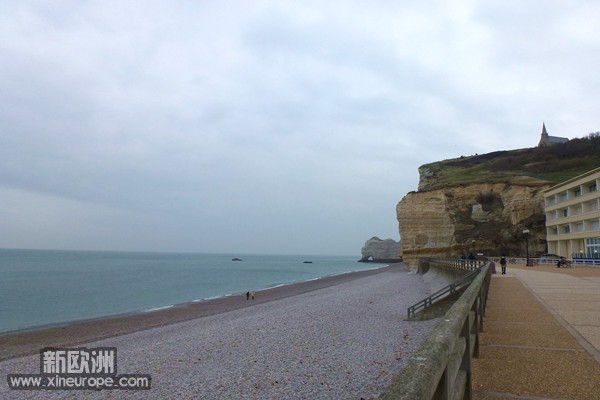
{"x":286,"y":127}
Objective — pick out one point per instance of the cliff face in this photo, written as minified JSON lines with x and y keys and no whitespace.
{"x":486,"y":218}
{"x":483,"y":203}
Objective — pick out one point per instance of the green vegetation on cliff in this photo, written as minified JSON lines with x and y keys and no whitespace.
{"x":533,"y":166}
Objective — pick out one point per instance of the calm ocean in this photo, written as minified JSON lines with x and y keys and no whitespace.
{"x":39,"y":287}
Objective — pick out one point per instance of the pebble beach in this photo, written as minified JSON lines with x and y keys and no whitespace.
{"x":342,"y":340}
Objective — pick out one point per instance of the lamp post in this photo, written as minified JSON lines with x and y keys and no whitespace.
{"x":526,"y":233}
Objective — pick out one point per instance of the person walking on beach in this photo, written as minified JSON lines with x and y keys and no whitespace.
{"x":503,"y":265}
{"x":247,"y":295}
{"x":252,"y":295}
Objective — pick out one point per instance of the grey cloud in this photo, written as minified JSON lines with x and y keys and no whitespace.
{"x":281,"y":127}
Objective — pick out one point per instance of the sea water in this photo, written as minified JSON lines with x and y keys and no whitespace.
{"x":41,"y":287}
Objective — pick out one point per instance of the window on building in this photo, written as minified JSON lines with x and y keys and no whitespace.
{"x":566,"y":212}
{"x":593,"y":187}
{"x":592,"y":247}
{"x":577,"y":192}
{"x":566,"y":229}
{"x":564,"y":196}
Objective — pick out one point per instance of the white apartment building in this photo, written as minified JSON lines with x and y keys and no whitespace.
{"x":573,"y":217}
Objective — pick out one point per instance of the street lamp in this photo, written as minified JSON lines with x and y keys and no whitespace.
{"x":526,"y":233}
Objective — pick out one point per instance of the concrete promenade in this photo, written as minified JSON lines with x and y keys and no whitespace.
{"x":541,"y":336}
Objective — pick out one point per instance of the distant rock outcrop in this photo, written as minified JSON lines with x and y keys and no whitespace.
{"x":377,"y":250}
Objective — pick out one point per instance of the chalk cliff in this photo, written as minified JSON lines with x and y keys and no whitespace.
{"x":483,"y":203}
{"x":481,"y":218}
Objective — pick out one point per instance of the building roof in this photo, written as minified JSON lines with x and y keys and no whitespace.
{"x":568,"y":182}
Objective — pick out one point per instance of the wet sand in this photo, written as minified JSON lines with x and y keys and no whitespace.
{"x":27,"y":342}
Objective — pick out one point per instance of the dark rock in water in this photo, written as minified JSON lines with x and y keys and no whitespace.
{"x":236,"y":259}
{"x":307,"y":262}
{"x":382,"y":260}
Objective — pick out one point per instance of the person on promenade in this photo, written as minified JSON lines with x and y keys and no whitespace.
{"x":472,"y":259}
{"x":503,"y":265}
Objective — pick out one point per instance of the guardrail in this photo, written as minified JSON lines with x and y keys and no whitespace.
{"x":457,"y":263}
{"x":455,"y":286}
{"x":441,"y":366}
{"x":547,"y":261}
{"x":585,"y":261}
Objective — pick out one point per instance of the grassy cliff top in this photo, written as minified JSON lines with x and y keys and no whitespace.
{"x":534,"y":166}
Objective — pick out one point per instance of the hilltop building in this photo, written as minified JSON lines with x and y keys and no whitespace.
{"x":573,"y":217}
{"x":547,"y":140}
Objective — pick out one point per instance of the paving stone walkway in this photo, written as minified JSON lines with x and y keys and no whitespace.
{"x":541,"y":336}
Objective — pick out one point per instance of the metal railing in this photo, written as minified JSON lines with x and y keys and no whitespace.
{"x":455,"y":286}
{"x":547,"y":261}
{"x":585,"y":261}
{"x":441,"y":367}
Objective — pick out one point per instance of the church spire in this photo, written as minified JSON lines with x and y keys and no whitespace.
{"x":547,"y":140}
